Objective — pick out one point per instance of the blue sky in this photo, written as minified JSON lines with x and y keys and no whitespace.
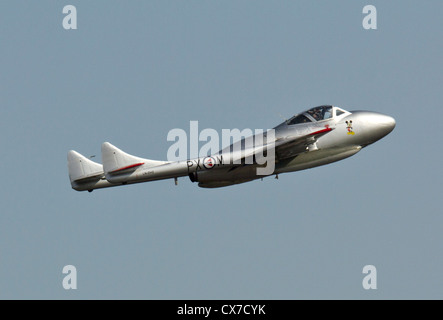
{"x":133,"y":71}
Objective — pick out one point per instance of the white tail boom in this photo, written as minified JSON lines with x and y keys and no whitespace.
{"x":117,"y":169}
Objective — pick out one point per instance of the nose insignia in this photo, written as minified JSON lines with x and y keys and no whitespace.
{"x":349,"y":127}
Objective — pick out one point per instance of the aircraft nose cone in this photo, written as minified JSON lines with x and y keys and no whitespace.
{"x":385,"y":123}
{"x":372,"y":126}
{"x":379,"y":125}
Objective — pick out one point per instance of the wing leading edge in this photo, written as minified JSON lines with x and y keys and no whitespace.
{"x":292,"y":146}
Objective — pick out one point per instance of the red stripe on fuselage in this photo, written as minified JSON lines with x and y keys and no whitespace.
{"x":321,"y":131}
{"x":129,"y":167}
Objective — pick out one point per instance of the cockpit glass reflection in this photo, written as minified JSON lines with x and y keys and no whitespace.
{"x":299,"y":119}
{"x":312,"y":115}
{"x":320,"y":113}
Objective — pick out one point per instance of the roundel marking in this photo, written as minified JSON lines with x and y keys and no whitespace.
{"x":209,"y":162}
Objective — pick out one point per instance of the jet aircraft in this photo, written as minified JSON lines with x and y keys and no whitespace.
{"x":318,"y":136}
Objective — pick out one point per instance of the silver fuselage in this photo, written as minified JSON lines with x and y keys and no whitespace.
{"x":320,"y":141}
{"x":367,"y":128}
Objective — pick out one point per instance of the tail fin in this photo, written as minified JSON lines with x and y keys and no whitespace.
{"x":116,"y":161}
{"x":81,"y":168}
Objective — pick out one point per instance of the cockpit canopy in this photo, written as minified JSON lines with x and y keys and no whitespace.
{"x":316,"y":114}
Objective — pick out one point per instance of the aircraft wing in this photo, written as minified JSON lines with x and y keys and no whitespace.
{"x":291,"y":146}
{"x":285,"y":147}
